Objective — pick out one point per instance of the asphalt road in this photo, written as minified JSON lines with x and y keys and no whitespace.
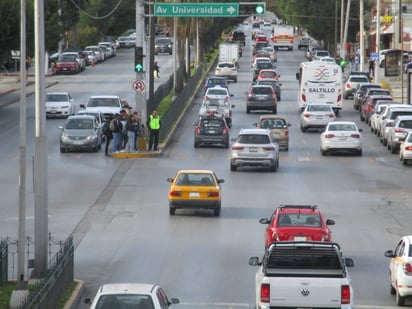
{"x":117,"y":210}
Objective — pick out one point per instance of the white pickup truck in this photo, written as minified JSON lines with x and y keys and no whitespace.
{"x":303,"y":275}
{"x":108,"y":105}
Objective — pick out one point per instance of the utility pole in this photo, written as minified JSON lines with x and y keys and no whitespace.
{"x":378,"y":39}
{"x":345,"y":33}
{"x":140,"y":63}
{"x":40,"y":149}
{"x":22,"y":148}
{"x":361,"y":41}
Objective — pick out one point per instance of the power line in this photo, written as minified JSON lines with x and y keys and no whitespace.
{"x":93,"y":16}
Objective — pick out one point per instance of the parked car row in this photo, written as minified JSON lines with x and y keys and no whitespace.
{"x":75,"y":61}
{"x":391,"y":121}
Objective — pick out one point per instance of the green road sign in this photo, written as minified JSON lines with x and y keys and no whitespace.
{"x":196,"y":9}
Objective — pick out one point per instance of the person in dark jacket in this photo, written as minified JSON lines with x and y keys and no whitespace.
{"x":108,"y":136}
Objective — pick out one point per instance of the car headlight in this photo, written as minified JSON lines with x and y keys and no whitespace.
{"x":64,"y":137}
{"x":91,"y":137}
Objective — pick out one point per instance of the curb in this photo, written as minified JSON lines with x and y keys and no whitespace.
{"x":75,"y":298}
{"x":134,"y":155}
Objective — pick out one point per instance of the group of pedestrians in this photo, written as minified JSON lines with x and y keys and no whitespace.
{"x":124,"y":130}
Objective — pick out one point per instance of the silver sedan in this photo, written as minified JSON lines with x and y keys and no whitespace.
{"x":316,"y":115}
{"x":341,"y":136}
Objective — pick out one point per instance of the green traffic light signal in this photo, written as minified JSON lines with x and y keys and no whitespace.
{"x":259,"y":9}
{"x":138,"y":59}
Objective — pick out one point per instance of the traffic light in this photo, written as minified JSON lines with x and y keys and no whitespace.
{"x":251,"y":8}
{"x":138,"y":59}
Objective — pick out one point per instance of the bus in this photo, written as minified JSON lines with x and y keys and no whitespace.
{"x":320,"y":82}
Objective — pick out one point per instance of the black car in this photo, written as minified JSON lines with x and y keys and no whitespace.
{"x":163,"y":45}
{"x":211,"y":129}
{"x":275,"y":85}
{"x":238,"y":36}
{"x":261,"y":97}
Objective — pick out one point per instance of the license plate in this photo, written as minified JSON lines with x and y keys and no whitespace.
{"x":212,"y":131}
{"x":299,"y":238}
{"x":53,"y":111}
{"x":194,"y":194}
{"x":253,"y":149}
{"x":319,"y":117}
{"x":342,"y":138}
{"x":78,"y":142}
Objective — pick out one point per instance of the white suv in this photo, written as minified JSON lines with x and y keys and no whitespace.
{"x":227,"y":70}
{"x":400,"y":269}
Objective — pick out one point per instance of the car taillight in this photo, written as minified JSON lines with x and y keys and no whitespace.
{"x":307,"y":115}
{"x":355,"y":135}
{"x":348,"y":85}
{"x":206,"y":97}
{"x":329,"y":135}
{"x":225,"y":130}
{"x":265,"y":293}
{"x":331,"y":115}
{"x":213,"y":194}
{"x":408,"y":148}
{"x":389,"y":124}
{"x":345,"y":294}
{"x":197,"y":129}
{"x":326,"y":237}
{"x":175,"y":193}
{"x":286,"y":132}
{"x":269,"y":148}
{"x":238,"y":147}
{"x":407,"y":268}
{"x":399,"y":130}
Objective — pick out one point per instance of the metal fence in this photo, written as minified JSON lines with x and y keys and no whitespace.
{"x":47,"y":292}
{"x":4,"y":262}
{"x":50,"y":289}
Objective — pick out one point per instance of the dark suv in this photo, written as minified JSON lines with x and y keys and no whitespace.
{"x":163,"y":45}
{"x":238,"y":36}
{"x":211,"y":129}
{"x":261,"y":97}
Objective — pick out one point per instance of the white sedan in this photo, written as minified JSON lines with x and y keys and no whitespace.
{"x":227,"y":70}
{"x":400,"y":270}
{"x":131,"y":295}
{"x":341,"y":136}
{"x":405,"y":151}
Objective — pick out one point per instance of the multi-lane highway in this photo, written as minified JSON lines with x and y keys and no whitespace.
{"x":118,"y":211}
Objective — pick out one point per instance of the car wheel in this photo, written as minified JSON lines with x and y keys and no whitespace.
{"x":226,"y":145}
{"x":278,"y":98}
{"x":384,"y":141}
{"x":404,"y":161}
{"x":233,"y":167}
{"x":247,"y":110}
{"x":275,"y":166}
{"x":392,"y":290}
{"x":394,"y":149}
{"x":400,"y":300}
{"x":62,"y":150}
{"x":323,"y":152}
{"x":216,"y":211}
{"x":196,"y":145}
{"x":360,"y":153}
{"x":302,"y":129}
{"x":274,"y":111}
{"x":172,"y":211}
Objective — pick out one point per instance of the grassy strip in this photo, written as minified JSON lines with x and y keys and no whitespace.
{"x":7,"y":290}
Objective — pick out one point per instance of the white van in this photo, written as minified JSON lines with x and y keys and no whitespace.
{"x":320,"y":82}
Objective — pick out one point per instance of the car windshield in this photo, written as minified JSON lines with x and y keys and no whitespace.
{"x":57,"y":98}
{"x":318,"y":108}
{"x":106,"y":102}
{"x":267,"y":74}
{"x":342,"y":127}
{"x":79,"y":124}
{"x":163,"y":41}
{"x":217,"y":103}
{"x":264,"y":65}
{"x":379,"y":92}
{"x":114,"y":301}
{"x":261,"y":90}
{"x":253,"y":139}
{"x":299,"y":219}
{"x":195,"y":179}
{"x":215,"y":81}
{"x":272,"y":123}
{"x":68,"y":58}
{"x":407,"y":124}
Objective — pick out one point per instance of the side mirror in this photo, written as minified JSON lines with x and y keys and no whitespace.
{"x":254,"y":261}
{"x":389,"y":254}
{"x":264,"y":221}
{"x":349,"y":262}
{"x":330,"y":222}
{"x":170,"y":180}
{"x":82,"y":106}
{"x":297,"y":76}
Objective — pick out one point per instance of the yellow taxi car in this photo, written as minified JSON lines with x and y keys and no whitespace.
{"x":195,"y":189}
